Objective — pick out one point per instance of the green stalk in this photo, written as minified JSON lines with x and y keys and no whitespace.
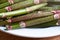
{"x":7,"y":3}
{"x":37,"y":14}
{"x":4,"y":4}
{"x":39,"y":20}
{"x":53,"y":3}
{"x":53,"y":0}
{"x":20,"y":5}
{"x":3,"y":10}
{"x":50,"y":8}
{"x":44,"y":25}
{"x":34,"y":15}
{"x":22,"y":11}
{"x":47,"y":9}
{"x":10,"y":27}
{"x":2,"y":1}
{"x":24,"y":24}
{"x":24,"y":4}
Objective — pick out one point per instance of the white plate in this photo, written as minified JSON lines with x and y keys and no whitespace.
{"x":36,"y":33}
{"x":2,"y":28}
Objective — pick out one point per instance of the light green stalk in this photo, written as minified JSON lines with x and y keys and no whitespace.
{"x":22,"y":11}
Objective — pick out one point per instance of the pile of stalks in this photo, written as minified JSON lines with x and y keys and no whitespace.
{"x":16,"y":14}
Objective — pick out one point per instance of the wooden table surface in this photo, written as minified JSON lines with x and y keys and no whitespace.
{"x":5,"y":36}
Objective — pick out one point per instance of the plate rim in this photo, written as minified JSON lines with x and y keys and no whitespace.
{"x":32,"y":37}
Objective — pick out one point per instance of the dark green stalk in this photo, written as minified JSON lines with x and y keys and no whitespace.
{"x":44,"y":25}
{"x":2,"y":1}
{"x":53,"y":0}
{"x":50,"y":8}
{"x":3,"y":10}
{"x":7,"y":3}
{"x":39,"y":20}
{"x":4,"y":4}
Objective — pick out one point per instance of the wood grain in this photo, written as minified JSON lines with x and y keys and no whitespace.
{"x":6,"y":36}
